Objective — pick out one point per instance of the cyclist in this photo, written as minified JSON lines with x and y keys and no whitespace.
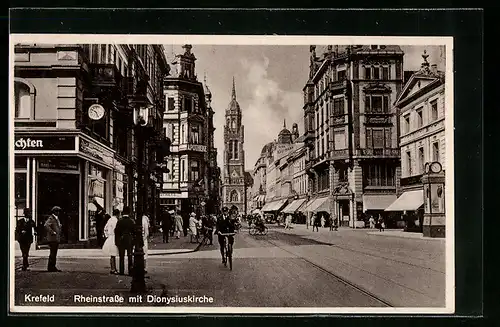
{"x":207,"y":227}
{"x":259,"y":223}
{"x":225,"y":224}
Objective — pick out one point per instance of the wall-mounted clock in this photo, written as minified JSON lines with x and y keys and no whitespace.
{"x":96,"y":111}
{"x":435,"y":167}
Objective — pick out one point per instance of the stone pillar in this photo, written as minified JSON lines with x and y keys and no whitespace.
{"x":397,"y":180}
{"x":352,"y":213}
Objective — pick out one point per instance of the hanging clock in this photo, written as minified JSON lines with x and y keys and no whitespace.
{"x":436,"y":167}
{"x":96,"y":111}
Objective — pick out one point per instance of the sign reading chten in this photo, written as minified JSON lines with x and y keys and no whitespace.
{"x":37,"y":143}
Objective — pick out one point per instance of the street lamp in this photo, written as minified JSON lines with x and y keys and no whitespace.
{"x":141,"y":118}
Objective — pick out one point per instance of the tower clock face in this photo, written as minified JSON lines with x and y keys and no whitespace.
{"x":96,"y":112}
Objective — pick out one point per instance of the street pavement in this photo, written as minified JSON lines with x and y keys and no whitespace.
{"x":286,"y":268}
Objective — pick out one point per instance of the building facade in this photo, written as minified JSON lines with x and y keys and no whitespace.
{"x":233,"y":189}
{"x":351,"y":130}
{"x":75,"y":142}
{"x":188,"y":122}
{"x":421,"y":107}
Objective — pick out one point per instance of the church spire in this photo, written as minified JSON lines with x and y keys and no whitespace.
{"x":233,"y":94}
{"x":284,"y":123}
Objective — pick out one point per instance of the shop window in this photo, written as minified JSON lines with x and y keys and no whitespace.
{"x":24,"y":102}
{"x":20,"y":191}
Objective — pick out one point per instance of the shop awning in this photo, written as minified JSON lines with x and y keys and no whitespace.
{"x":377,"y":202}
{"x":319,"y":204}
{"x":294,"y":205}
{"x":306,"y":206}
{"x":278,"y":205}
{"x":256,"y":211}
{"x":262,"y":197}
{"x":266,"y":206}
{"x":410,"y":200}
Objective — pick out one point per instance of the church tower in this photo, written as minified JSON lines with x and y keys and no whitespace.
{"x":233,"y":189}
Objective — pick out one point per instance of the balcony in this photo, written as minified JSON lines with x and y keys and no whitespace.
{"x":193,"y":147}
{"x":378,"y":118}
{"x":381,"y":153}
{"x":338,"y":120}
{"x":106,"y":75}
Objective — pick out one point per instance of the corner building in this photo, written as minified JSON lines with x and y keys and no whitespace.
{"x":233,"y":188}
{"x":351,"y":130}
{"x":187,"y":122}
{"x":62,"y":156}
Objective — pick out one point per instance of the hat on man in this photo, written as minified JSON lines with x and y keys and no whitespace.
{"x":171,"y":212}
{"x":55,"y":209}
{"x":193,"y":214}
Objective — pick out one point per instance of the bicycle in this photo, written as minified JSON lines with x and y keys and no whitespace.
{"x":228,"y":250}
{"x":258,"y":230}
{"x":206,"y":236}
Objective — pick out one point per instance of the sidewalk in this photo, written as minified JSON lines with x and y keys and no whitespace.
{"x":156,"y":247}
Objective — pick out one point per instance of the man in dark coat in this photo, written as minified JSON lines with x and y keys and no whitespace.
{"x":166,"y":225}
{"x":124,"y":239}
{"x":99,"y":223}
{"x":24,"y":235}
{"x":53,"y":229}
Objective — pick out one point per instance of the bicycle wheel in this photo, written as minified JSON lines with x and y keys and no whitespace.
{"x":252,"y":231}
{"x":264,"y":232}
{"x":230,"y":256}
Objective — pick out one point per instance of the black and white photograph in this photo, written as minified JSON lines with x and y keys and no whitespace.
{"x":231,"y":174}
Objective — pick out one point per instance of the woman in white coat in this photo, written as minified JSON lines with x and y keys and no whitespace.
{"x":145,"y":237}
{"x":109,"y":247}
{"x":193,"y":231}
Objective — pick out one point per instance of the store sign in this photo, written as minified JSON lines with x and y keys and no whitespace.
{"x":197,"y":148}
{"x":35,"y":143}
{"x":58,"y":164}
{"x":173,"y":195}
{"x":96,"y":151}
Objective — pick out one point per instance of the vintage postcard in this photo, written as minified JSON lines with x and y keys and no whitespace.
{"x":231,"y":174}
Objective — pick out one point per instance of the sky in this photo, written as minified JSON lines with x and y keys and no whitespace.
{"x":269,"y":81}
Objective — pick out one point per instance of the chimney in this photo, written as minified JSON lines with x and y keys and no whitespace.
{"x":434,"y":68}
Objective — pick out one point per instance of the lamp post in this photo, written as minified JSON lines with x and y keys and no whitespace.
{"x":138,"y":284}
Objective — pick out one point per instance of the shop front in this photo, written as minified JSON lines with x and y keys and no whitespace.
{"x":51,"y":170}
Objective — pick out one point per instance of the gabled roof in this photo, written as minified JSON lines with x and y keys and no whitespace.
{"x":419,"y":84}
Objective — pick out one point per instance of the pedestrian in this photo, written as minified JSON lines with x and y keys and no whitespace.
{"x":109,"y":248}
{"x":336,"y":222}
{"x":53,"y":229}
{"x":178,"y":224}
{"x":124,"y":240}
{"x":331,"y":222}
{"x":166,"y":224}
{"x":25,"y":229}
{"x":193,"y":222}
{"x":372,"y":222}
{"x":381,"y":224}
{"x":145,"y":239}
{"x":322,"y":221}
{"x":316,"y":222}
{"x":100,"y":222}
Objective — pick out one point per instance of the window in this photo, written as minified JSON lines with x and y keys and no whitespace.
{"x":187,"y":105}
{"x":183,"y":134}
{"x":379,"y":175}
{"x":171,"y":103}
{"x":377,"y":104}
{"x":22,"y":98}
{"x":183,"y":170}
{"x":420,"y":118}
{"x":374,"y":47}
{"x":234,"y":196}
{"x":406,"y":124}
{"x":340,"y":142}
{"x":421,"y":160}
{"x":102,"y":54}
{"x":368,"y":71}
{"x":385,"y":73}
{"x":195,"y":134}
{"x":434,"y":110}
{"x":409,"y":163}
{"x":378,"y":138}
{"x":233,"y":124}
{"x":195,"y":171}
{"x":435,"y":151}
{"x":376,"y":72}
{"x":388,"y":138}
{"x":341,"y":75}
{"x":235,"y":150}
{"x":342,"y":175}
{"x":338,"y":106}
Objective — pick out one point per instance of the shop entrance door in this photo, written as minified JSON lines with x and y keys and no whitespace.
{"x":344,"y":212}
{"x":59,"y":189}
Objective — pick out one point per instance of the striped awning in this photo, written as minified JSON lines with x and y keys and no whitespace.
{"x":408,"y":201}
{"x":294,"y":206}
{"x":377,"y":202}
{"x":319,"y":204}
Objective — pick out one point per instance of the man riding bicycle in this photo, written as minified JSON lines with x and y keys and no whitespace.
{"x":225,"y":224}
{"x":259,"y":223}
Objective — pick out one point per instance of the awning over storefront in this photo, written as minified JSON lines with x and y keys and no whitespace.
{"x":256,"y":211}
{"x":305,"y":207}
{"x":410,"y":200}
{"x":275,"y":205}
{"x":377,"y":202}
{"x":319,"y":204}
{"x":294,"y":205}
{"x":262,"y":197}
{"x":266,"y":206}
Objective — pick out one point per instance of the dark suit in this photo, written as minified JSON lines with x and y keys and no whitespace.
{"x":24,"y":235}
{"x":166,"y":225}
{"x":53,"y":232}
{"x":124,"y":240}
